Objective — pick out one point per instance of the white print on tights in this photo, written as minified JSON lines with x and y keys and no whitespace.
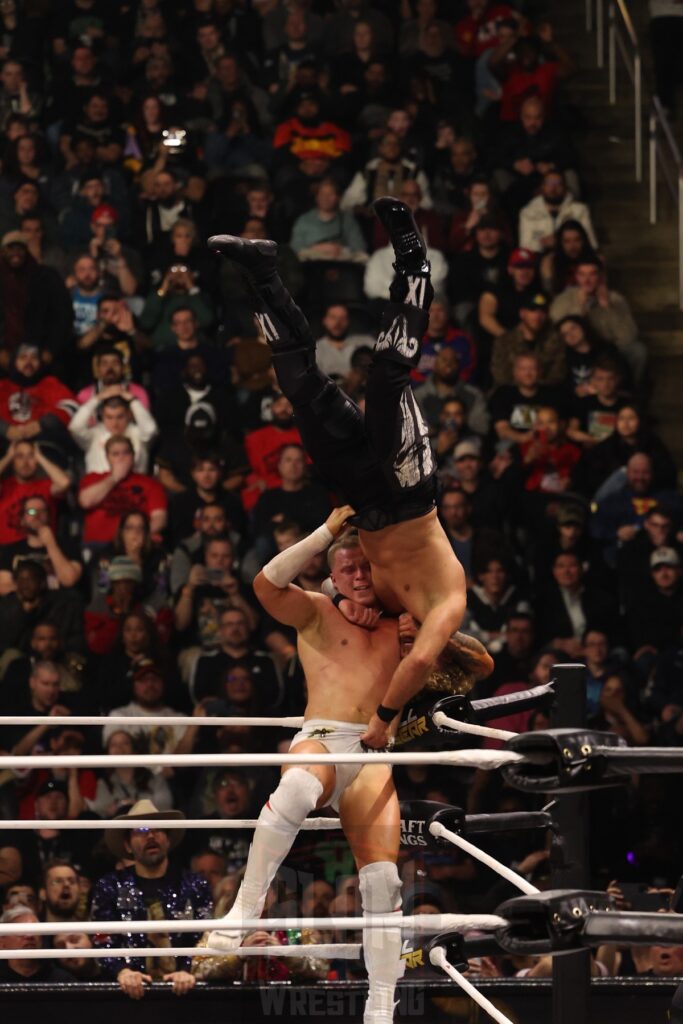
{"x":414,"y":460}
{"x":396,"y":337}
{"x":416,"y":292}
{"x":267,"y":327}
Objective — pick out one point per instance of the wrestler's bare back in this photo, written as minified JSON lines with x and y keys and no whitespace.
{"x":347,"y":668}
{"x":414,"y":567}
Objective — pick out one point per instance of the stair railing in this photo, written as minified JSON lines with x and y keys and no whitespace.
{"x":665,"y":156}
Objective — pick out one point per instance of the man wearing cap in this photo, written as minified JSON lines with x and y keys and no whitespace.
{"x":104,"y":614}
{"x":148,"y":887}
{"x":34,"y":303}
{"x":540,"y":219}
{"x":654,"y":615}
{"x":532,"y":334}
{"x":148,"y":701}
{"x":499,"y":304}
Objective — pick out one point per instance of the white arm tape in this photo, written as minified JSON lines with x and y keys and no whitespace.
{"x":286,"y":566}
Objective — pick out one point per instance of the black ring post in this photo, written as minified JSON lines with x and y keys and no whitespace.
{"x":571,"y":973}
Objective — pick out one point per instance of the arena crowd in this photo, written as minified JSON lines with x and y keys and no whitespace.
{"x":149,"y":466}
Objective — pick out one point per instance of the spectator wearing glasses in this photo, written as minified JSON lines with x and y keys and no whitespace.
{"x":149,"y":887}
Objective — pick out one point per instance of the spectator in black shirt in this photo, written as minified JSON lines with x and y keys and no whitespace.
{"x":572,"y":247}
{"x":633,"y":558}
{"x":21,"y":972}
{"x":207,"y":472}
{"x":515,"y":660}
{"x":305,"y":503}
{"x":31,"y":602}
{"x":97,"y":123}
{"x":595,"y":414}
{"x":567,"y":606}
{"x":481,"y":269}
{"x":630,"y":435}
{"x":499,"y":307}
{"x":514,"y":406}
{"x":234,"y":648}
{"x":654,"y":614}
{"x":40,"y":545}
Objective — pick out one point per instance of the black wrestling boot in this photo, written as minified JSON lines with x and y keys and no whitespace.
{"x":258,"y":256}
{"x":407,"y":242}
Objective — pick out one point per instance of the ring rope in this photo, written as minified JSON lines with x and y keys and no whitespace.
{"x":331,"y":951}
{"x":437,"y":957}
{"x":76,"y":824}
{"x":427,"y":923}
{"x":439,"y":830}
{"x":129,"y":720}
{"x":488,"y":759}
{"x":441,"y":720}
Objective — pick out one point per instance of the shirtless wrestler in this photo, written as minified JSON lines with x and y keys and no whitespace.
{"x":381,"y":461}
{"x":346,"y":668}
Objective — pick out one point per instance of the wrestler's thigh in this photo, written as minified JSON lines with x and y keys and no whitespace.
{"x":323,"y":772}
{"x":371,"y":816}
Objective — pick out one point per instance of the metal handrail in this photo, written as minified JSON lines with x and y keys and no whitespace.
{"x":633,"y":64}
{"x":668,"y":158}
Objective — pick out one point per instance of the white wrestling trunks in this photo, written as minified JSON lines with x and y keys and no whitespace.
{"x":338,"y":738}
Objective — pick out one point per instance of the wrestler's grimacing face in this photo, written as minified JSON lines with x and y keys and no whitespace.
{"x":352,"y":577}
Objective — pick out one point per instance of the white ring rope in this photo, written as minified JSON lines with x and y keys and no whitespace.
{"x":488,"y":759}
{"x":441,"y":832}
{"x":330,"y":951}
{"x":442,"y":721}
{"x":75,"y":824}
{"x":428,"y":923}
{"x":437,"y":956}
{"x":131,"y":720}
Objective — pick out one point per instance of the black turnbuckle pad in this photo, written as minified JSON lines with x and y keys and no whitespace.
{"x":453,"y":944}
{"x":562,"y":761}
{"x":417,"y":816}
{"x":549,"y":922}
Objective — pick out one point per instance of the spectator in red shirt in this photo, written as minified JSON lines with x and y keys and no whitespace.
{"x":34,"y":405}
{"x":105,"y":614}
{"x":307,"y":136}
{"x":548,"y":459}
{"x":478,"y":30}
{"x":106,"y":496}
{"x":26,"y":479}
{"x":263,"y":448}
{"x":538,"y":66}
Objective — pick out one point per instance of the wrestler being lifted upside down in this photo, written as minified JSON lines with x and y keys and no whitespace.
{"x":347,"y":668}
{"x":380,"y":462}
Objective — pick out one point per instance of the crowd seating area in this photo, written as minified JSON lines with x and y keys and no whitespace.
{"x":149,"y":467}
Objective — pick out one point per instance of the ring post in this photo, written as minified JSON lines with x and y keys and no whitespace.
{"x":571,"y":974}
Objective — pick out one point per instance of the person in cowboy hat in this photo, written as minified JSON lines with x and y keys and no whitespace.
{"x":148,"y":887}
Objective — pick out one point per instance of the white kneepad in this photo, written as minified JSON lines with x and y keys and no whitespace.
{"x":380,"y":887}
{"x":293,"y":800}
